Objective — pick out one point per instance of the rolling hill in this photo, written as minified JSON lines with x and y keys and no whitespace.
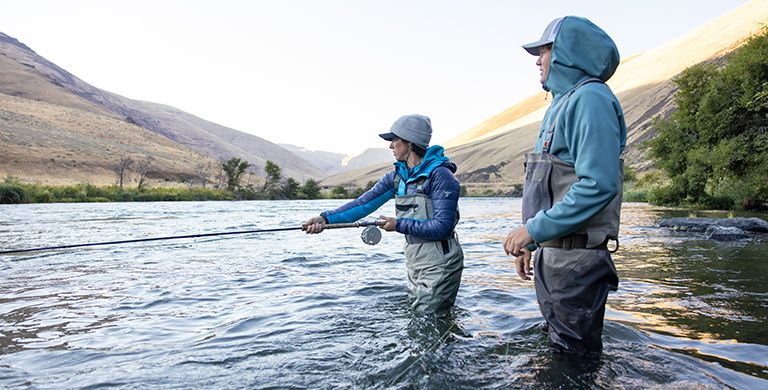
{"x":55,"y":128}
{"x":490,"y":155}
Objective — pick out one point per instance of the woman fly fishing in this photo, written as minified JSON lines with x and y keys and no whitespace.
{"x":426,"y":197}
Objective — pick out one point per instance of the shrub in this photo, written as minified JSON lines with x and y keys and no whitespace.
{"x":714,"y":147}
{"x":12,"y":194}
{"x":717,"y":202}
{"x":636,"y":195}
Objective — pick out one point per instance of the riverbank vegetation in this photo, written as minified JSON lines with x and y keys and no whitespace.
{"x":713,"y":151}
{"x":13,"y":192}
{"x":228,"y":185}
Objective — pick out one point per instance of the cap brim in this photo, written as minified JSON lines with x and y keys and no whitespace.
{"x":387,"y":136}
{"x":533,"y":47}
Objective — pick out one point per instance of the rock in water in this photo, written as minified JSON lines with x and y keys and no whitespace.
{"x":723,"y":233}
{"x":702,"y":224}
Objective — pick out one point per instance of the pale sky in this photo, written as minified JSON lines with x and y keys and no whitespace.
{"x":327,"y":74}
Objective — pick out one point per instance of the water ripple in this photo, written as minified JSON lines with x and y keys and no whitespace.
{"x":290,"y":310}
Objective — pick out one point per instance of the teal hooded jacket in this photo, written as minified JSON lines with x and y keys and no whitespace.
{"x":590,"y":133}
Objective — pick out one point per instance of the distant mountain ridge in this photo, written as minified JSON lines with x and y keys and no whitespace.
{"x":329,"y":162}
{"x":335,"y":163}
{"x":26,"y":75}
{"x":369,"y":157}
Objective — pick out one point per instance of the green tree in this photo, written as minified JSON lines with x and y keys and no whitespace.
{"x":310,"y":189}
{"x":273,"y":174}
{"x":462,"y":191}
{"x":714,"y":148}
{"x":11,"y":193}
{"x":234,"y":169}
{"x":339,"y":192}
{"x":291,"y":188}
{"x":359,"y":191}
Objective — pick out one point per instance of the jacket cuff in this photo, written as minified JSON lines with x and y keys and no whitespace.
{"x":531,"y":229}
{"x":399,"y":225}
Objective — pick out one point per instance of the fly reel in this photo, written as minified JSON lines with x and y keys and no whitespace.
{"x":371,"y":235}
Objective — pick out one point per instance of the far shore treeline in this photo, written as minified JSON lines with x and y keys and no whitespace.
{"x":711,"y":153}
{"x":227,"y":186}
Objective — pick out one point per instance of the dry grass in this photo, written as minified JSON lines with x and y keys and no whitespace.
{"x":57,"y":128}
{"x":52,"y":144}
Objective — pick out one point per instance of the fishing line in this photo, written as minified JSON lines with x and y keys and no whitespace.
{"x":369,"y":238}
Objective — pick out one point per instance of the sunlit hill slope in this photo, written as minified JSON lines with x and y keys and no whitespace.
{"x":491,"y":154}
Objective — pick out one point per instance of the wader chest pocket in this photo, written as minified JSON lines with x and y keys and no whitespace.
{"x":537,"y":171}
{"x":536,"y":191}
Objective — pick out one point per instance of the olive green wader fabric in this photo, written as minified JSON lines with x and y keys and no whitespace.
{"x":433,"y":276}
{"x":434,"y":267}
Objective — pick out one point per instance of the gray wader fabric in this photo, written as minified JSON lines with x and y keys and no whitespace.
{"x":434,"y":267}
{"x":434,"y":276}
{"x":572,"y":287}
{"x":548,"y":179}
{"x":572,"y":284}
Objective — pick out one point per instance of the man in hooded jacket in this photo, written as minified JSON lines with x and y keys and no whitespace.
{"x":572,"y":192}
{"x":426,"y":197}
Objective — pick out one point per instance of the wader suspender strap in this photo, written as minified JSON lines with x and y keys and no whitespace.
{"x":551,"y":131}
{"x":419,"y":184}
{"x":420,"y":190}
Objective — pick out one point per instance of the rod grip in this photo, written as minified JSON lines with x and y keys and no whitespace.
{"x":349,"y":225}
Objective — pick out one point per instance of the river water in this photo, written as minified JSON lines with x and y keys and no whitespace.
{"x":288,"y":310}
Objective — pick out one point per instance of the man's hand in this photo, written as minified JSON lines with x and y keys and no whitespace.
{"x":517,"y":240}
{"x":314,"y":225}
{"x":523,"y":264}
{"x":389,"y":224}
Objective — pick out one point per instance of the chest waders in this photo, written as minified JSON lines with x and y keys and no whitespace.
{"x":434,"y":267}
{"x":574,"y":273}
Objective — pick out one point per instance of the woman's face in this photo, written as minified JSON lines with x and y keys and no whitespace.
{"x":399,"y":148}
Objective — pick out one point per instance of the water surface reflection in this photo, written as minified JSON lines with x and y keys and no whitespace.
{"x":290,"y":310}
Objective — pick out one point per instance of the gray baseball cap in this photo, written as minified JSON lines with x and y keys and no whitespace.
{"x":416,"y":129}
{"x":547,"y":38}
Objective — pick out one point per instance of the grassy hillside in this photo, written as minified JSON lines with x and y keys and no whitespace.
{"x":48,"y":143}
{"x":58,"y":128}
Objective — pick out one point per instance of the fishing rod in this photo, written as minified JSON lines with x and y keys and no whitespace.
{"x":371,"y":236}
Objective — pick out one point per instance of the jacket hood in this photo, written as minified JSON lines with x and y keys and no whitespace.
{"x":435,"y":157}
{"x":580,"y":50}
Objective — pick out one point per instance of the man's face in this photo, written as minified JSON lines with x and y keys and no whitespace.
{"x":545,"y":56}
